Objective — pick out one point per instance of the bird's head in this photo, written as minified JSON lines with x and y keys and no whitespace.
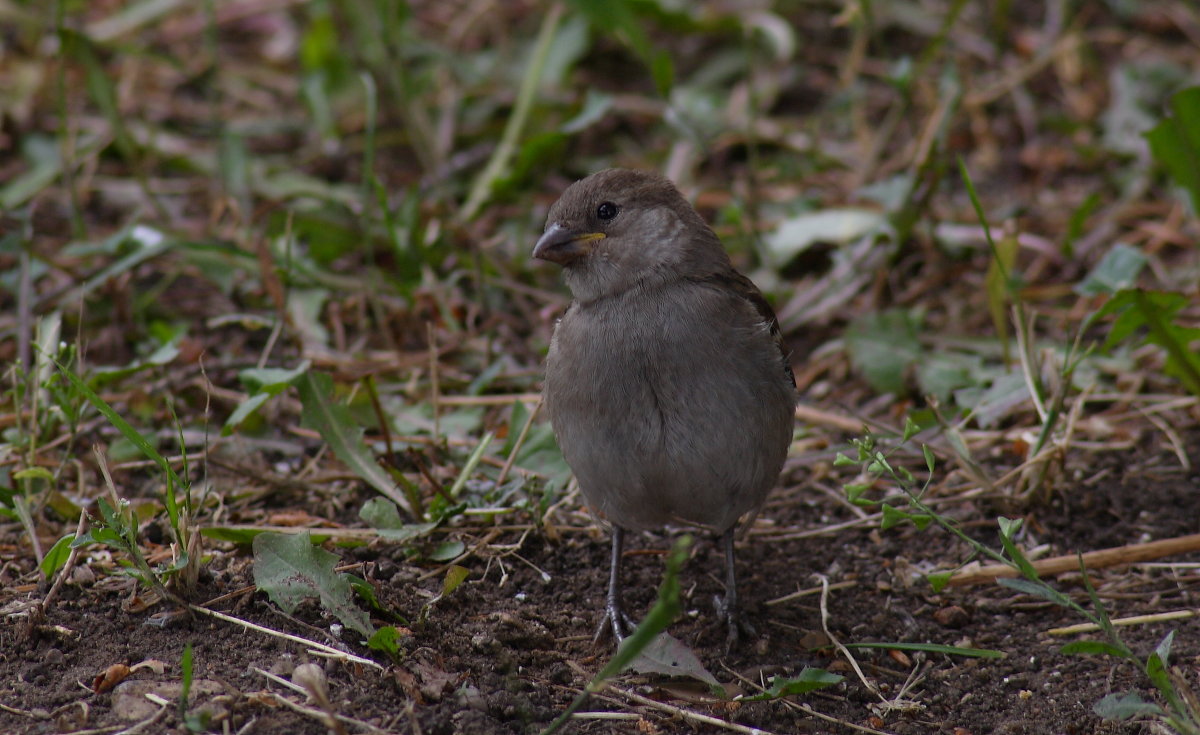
{"x":619,"y":228}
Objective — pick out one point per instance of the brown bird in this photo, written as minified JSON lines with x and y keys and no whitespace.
{"x":667,"y":383}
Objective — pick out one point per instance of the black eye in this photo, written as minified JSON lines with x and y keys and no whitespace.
{"x":606,"y":211}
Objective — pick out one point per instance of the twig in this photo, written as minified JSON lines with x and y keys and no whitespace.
{"x":1131,"y":620}
{"x":316,"y":714}
{"x":1023,"y":73}
{"x":381,"y":417}
{"x":605,"y":715}
{"x":804,"y":706}
{"x":311,"y":683}
{"x":1099,"y":559}
{"x":1176,"y":443}
{"x":39,"y":611}
{"x":512,"y":456}
{"x":433,"y":379}
{"x":483,"y":542}
{"x":686,"y":714}
{"x":818,"y":417}
{"x":811,"y":591}
{"x":163,"y":708}
{"x":502,"y":400}
{"x":838,"y":644}
{"x":807,"y":709}
{"x":823,"y":531}
{"x":317,"y":649}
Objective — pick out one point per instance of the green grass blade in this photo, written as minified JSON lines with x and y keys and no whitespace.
{"x":337,"y":428}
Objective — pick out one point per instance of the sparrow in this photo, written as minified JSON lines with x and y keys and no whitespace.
{"x":667,"y":385}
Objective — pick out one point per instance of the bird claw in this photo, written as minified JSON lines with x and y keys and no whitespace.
{"x":615,"y":621}
{"x":737,"y":626}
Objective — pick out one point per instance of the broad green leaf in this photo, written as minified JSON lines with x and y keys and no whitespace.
{"x":566,"y":48}
{"x":619,"y":18}
{"x":854,"y":493}
{"x":1009,"y":526}
{"x":264,"y":384}
{"x":56,"y":557}
{"x":1125,"y":707}
{"x":939,"y":580}
{"x":271,"y":380}
{"x":43,"y":166}
{"x":455,"y":576}
{"x":447,"y":551}
{"x":290,"y":570}
{"x":30,"y":473}
{"x":892,"y":517}
{"x":596,"y":105}
{"x":102,"y":536}
{"x":243,"y":411}
{"x":1118,"y":269}
{"x":809,"y":679}
{"x":1036,"y":589}
{"x":386,"y":639}
{"x":1158,"y":663}
{"x":381,"y":514}
{"x":883,"y":346}
{"x":944,"y":372}
{"x":365,"y":590}
{"x":333,"y":422}
{"x":246,"y":534}
{"x":1007,"y":394}
{"x":304,"y":307}
{"x":1155,"y":311}
{"x":833,"y":226}
{"x":1092,"y":647}
{"x":1175,"y":142}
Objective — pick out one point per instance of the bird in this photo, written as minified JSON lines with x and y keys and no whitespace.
{"x":667,"y":382}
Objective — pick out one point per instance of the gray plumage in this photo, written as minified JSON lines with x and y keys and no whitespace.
{"x":666,"y":382}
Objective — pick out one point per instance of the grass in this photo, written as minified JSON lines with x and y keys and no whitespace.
{"x":303,"y":232}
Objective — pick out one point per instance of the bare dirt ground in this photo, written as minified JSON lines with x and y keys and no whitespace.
{"x":510,"y":648}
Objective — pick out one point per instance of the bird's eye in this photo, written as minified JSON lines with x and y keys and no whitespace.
{"x":606,"y":211}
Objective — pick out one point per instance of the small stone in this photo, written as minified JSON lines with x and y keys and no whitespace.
{"x":952,"y":616}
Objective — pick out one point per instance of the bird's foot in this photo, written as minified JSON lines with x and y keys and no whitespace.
{"x":737,"y":626}
{"x":615,"y":621}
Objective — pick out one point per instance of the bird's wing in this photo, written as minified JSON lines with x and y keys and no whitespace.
{"x":742,"y":286}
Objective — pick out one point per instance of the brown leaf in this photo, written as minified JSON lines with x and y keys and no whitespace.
{"x":111,"y":677}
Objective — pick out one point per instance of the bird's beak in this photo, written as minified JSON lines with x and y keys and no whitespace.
{"x":561,"y":245}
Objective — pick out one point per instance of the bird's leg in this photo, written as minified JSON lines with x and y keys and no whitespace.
{"x":615,"y":618}
{"x":727,"y":607}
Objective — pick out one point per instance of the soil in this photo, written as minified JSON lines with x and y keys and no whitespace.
{"x":509,"y":649}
